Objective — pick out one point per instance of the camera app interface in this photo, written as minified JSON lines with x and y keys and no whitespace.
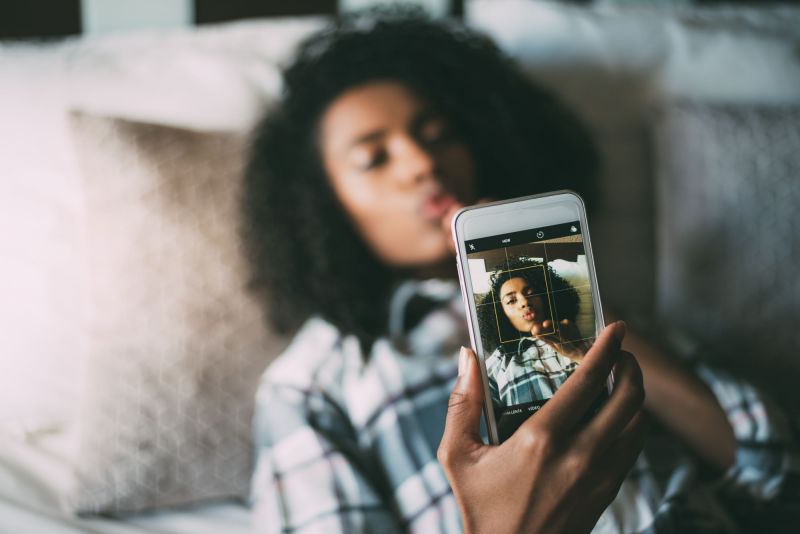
{"x":535,"y":313}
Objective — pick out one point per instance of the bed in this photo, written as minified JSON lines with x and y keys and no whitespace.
{"x":127,"y":381}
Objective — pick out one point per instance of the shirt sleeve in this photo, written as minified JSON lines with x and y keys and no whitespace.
{"x":311,"y":475}
{"x":767,"y":458}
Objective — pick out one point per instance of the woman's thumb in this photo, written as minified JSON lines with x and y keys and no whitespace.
{"x":462,"y":429}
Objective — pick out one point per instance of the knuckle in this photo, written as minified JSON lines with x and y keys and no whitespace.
{"x":579,"y":462}
{"x":458,"y":402}
{"x":445,"y":455}
{"x":537,"y":443}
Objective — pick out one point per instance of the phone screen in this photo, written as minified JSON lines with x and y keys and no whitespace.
{"x":536,"y":315}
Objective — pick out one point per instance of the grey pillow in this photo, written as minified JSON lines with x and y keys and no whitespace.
{"x":176,"y":344}
{"x":728,"y":187}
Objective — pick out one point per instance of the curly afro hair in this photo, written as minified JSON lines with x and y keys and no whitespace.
{"x":305,"y":255}
{"x":494,"y":324}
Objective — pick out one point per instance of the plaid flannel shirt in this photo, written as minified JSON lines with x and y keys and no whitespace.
{"x":348,"y":444}
{"x":533,"y":373}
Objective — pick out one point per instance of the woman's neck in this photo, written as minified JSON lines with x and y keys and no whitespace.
{"x":445,"y":269}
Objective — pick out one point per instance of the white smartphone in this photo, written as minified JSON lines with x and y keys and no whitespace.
{"x":531,"y":298}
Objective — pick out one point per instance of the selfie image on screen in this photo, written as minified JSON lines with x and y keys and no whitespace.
{"x":534,"y":301}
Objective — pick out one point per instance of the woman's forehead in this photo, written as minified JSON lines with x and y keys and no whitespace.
{"x":514,"y":284}
{"x":363,"y":112}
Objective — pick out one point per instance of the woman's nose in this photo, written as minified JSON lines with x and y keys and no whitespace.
{"x":415,"y":164}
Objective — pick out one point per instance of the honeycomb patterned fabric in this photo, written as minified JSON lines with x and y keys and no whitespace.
{"x":729,"y":235}
{"x":177,"y":345}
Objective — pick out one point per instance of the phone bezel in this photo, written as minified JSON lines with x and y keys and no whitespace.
{"x":491,"y":219}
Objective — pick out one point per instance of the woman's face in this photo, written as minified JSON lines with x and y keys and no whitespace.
{"x":520,"y":305}
{"x":398,"y":169}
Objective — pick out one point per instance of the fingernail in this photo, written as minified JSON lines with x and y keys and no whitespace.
{"x":462,"y":361}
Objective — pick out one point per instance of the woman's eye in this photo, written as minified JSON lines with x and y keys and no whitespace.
{"x":372,"y":161}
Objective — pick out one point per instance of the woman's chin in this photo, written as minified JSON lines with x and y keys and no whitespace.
{"x":437,"y":264}
{"x":418,"y":253}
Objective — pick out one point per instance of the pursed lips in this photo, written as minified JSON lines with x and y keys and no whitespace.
{"x":436,"y":205}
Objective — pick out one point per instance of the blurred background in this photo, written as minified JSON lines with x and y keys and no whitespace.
{"x":23,"y":19}
{"x":129,"y":349}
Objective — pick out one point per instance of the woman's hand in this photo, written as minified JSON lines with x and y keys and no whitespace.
{"x":554,"y":474}
{"x":566,"y":340}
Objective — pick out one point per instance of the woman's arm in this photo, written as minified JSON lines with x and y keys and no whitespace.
{"x":684,"y":404}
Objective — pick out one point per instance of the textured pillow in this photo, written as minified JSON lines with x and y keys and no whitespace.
{"x":176,"y":345}
{"x":729,"y":238}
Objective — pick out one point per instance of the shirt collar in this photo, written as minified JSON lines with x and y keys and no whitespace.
{"x":441,"y":329}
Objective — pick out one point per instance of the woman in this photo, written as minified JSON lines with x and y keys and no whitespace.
{"x":386,"y":126}
{"x":531,"y":358}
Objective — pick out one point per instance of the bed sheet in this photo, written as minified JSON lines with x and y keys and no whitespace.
{"x":36,"y":477}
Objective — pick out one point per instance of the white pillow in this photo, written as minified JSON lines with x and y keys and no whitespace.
{"x":741,"y":54}
{"x":214,"y":78}
{"x":41,"y":269}
{"x":209,"y":78}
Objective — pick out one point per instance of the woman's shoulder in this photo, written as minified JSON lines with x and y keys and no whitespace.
{"x":495,"y":358}
{"x":317,"y":353}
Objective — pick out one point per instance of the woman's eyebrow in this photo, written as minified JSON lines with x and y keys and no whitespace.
{"x":423,"y":116}
{"x":417,"y":121}
{"x":373,"y":135}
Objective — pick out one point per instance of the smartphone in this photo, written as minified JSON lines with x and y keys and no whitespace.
{"x":530,"y":292}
